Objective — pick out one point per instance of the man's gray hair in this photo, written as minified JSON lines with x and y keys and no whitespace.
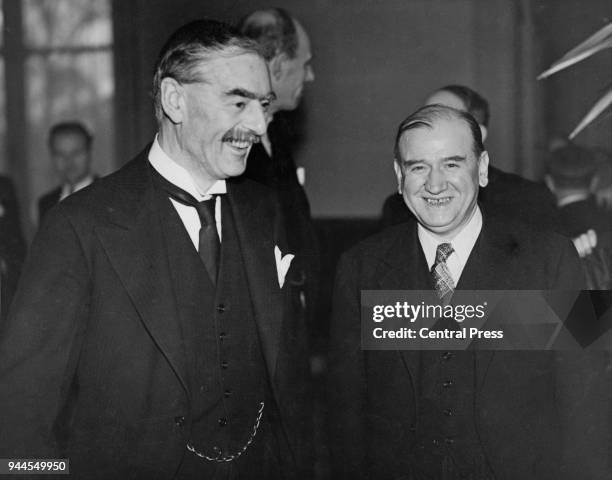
{"x":273,"y":29}
{"x":191,"y":46}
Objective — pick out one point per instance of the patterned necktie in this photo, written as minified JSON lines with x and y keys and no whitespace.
{"x":443,"y":281}
{"x":209,"y":246}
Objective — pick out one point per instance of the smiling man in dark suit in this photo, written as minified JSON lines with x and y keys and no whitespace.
{"x":435,"y":414}
{"x":149,"y":338}
{"x":507,"y":194}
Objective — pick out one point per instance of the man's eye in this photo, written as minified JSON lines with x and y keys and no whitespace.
{"x":452,"y":165}
{"x":417,"y":168}
{"x":265,"y":104}
{"x":240,"y":105}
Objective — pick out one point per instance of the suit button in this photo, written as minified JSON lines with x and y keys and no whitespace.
{"x":448,"y":383}
{"x":220,"y":308}
{"x":179,"y":421}
{"x":447,"y":355}
{"x":448,"y":412}
{"x":449,"y":441}
{"x":222,"y":335}
{"x":224,"y":365}
{"x":223,"y":421}
{"x":227,"y":393}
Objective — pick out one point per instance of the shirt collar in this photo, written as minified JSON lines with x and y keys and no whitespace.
{"x":463,"y":243}
{"x":179,"y":176}
{"x":573,"y":198}
{"x":67,"y":189}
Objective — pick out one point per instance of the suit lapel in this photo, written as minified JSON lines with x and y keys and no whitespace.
{"x":133,"y":241}
{"x":489,"y":267}
{"x":255,"y":225}
{"x":408,"y":271}
{"x":408,"y":266}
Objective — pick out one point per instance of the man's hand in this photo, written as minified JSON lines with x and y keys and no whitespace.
{"x":585,"y":243}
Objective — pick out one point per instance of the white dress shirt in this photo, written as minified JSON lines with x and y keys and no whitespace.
{"x":462,"y":243}
{"x":68,"y":189}
{"x":180,"y":177}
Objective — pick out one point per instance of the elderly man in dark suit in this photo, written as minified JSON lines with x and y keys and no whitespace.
{"x":149,"y":337}
{"x":435,"y":414}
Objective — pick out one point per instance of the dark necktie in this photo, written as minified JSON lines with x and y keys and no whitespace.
{"x":209,"y":246}
{"x":443,"y":282}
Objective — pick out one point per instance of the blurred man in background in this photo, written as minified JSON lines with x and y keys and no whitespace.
{"x":572,"y":178}
{"x":70,"y":148}
{"x":286,"y":48}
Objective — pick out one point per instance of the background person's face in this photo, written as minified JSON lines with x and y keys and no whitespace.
{"x":294,"y":73}
{"x":225,"y":115}
{"x":71,"y":156}
{"x":439,"y":175}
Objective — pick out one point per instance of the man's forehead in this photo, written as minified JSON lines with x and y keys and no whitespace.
{"x":443,"y":134}
{"x":247,"y":72}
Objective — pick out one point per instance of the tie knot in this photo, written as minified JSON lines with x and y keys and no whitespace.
{"x":443,"y":252}
{"x":206,"y":211}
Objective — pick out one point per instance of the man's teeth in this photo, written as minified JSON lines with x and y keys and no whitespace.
{"x":436,"y":202}
{"x":242,"y":143}
{"x":239,"y":143}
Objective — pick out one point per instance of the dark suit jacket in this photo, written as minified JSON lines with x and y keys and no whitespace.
{"x":507,"y":196}
{"x":12,"y":244}
{"x":48,"y":201}
{"x":279,"y":173}
{"x":578,"y":217}
{"x":92,"y":361}
{"x":373,"y":400}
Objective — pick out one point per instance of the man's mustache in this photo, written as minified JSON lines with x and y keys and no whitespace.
{"x":241,"y":136}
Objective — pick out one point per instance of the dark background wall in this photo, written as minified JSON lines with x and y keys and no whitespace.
{"x":375,"y":61}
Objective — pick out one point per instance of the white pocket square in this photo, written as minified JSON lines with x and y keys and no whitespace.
{"x":282,"y":265}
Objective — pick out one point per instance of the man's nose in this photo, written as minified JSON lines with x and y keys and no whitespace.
{"x":436,"y":182}
{"x":256,"y":119}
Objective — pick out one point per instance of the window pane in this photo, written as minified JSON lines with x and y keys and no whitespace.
{"x":68,"y":87}
{"x":67,"y":23}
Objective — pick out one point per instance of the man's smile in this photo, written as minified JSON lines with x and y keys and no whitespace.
{"x":437,"y":201}
{"x":240,"y":140}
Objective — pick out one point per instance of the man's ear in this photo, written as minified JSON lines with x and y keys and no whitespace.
{"x":483,"y":169}
{"x":277,"y":66}
{"x":172,"y":99}
{"x":399,"y":175}
{"x":483,"y":132}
